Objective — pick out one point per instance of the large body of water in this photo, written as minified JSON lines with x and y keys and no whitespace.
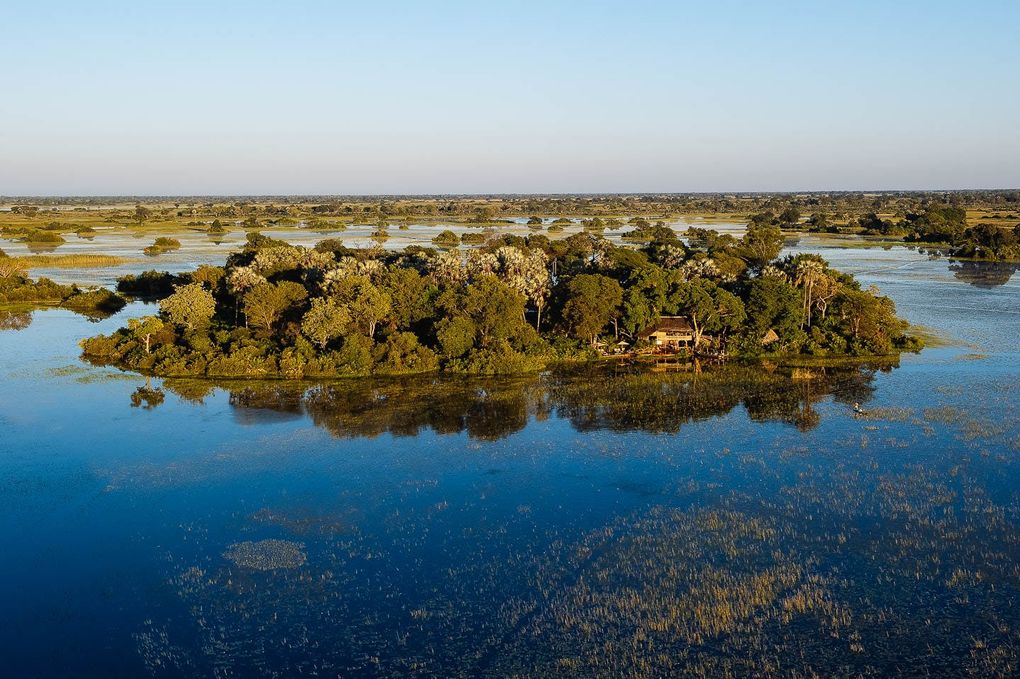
{"x":732,"y":521}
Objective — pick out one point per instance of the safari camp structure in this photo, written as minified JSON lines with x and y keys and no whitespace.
{"x":669,"y":334}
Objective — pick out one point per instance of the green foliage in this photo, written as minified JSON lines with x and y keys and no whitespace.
{"x":593,"y":300}
{"x":648,"y":233}
{"x":16,"y":288}
{"x":939,"y":223}
{"x":98,"y":303}
{"x":773,"y":304}
{"x":190,"y":306}
{"x":333,"y":312}
{"x":412,"y":297}
{"x":41,"y":237}
{"x":162,"y":245}
{"x":334,"y":245}
{"x":325,"y":321}
{"x":150,"y":284}
{"x":474,"y":237}
{"x":447,"y":239}
{"x":402,"y":353}
{"x":143,"y":329}
{"x":761,"y":244}
{"x":366,"y":304}
{"x":868,"y":321}
{"x":266,"y":302}
{"x":709,"y":307}
{"x":456,"y":336}
{"x":209,"y":276}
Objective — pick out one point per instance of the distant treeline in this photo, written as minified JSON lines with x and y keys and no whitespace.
{"x":840,"y":205}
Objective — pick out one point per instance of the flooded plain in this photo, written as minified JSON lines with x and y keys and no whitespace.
{"x":585,"y":522}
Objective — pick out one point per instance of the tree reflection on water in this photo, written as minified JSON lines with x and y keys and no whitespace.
{"x":15,"y":320}
{"x":591,"y":399}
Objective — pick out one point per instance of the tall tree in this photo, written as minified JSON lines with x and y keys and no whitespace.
{"x":761,"y":244}
{"x":592,"y":301}
{"x":266,"y":302}
{"x":190,"y":306}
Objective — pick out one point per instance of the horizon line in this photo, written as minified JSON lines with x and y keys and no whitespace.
{"x":492,"y":195}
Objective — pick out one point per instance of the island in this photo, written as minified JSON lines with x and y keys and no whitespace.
{"x":515,"y":305}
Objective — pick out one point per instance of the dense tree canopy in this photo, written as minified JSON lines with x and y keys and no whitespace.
{"x":280,"y":310}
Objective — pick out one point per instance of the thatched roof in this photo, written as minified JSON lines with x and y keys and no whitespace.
{"x":668,"y":324}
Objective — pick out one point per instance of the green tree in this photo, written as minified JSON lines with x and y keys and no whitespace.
{"x":761,"y":244}
{"x":456,"y":336}
{"x":496,"y":310}
{"x":266,"y":302}
{"x":325,"y":321}
{"x":209,"y":276}
{"x":773,"y":304}
{"x":366,"y":303}
{"x":818,"y":221}
{"x":412,"y":297}
{"x":869,"y":320}
{"x":790,"y":216}
{"x":144,"y":329}
{"x":592,"y":301}
{"x":190,"y":306}
{"x":402,"y":353}
{"x":708,"y":307}
{"x":447,"y":239}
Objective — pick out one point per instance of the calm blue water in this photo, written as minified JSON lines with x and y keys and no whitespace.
{"x":552,"y":525}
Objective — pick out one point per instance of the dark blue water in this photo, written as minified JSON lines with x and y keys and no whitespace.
{"x":565,"y":524}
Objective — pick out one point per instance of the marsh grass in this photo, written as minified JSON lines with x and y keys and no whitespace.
{"x":76,"y":261}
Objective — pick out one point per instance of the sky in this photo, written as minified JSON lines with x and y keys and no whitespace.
{"x":388,"y":97}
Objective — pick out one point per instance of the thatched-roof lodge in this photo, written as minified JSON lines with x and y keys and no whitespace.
{"x":669,"y":332}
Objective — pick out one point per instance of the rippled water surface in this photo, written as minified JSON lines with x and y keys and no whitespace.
{"x":578,"y":523}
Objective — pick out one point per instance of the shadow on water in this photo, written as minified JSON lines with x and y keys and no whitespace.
{"x":590,"y":399}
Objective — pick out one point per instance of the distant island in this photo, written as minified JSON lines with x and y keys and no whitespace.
{"x":515,"y":305}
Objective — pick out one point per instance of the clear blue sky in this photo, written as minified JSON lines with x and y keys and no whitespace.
{"x":475,"y":97}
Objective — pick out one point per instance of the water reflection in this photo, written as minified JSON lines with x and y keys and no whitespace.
{"x":15,"y":320}
{"x":589,"y":399}
{"x":984,"y":274}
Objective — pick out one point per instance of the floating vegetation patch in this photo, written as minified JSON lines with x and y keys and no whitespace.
{"x":83,"y":375}
{"x":266,"y":555}
{"x":889,"y":414}
{"x":306,"y":522}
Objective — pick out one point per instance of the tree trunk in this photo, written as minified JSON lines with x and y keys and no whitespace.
{"x":697,"y":332}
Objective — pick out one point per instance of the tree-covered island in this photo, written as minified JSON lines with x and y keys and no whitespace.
{"x":515,"y":305}
{"x":18,"y":290}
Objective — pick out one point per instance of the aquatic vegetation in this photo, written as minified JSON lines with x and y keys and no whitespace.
{"x":266,"y":555}
{"x":75,"y":261}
